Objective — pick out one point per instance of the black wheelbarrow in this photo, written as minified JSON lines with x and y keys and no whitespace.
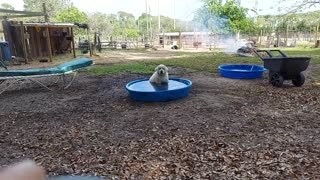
{"x":282,"y":67}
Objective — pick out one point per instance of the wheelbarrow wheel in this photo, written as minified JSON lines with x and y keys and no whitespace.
{"x":276,"y":80}
{"x":299,"y":81}
{"x":270,"y":75}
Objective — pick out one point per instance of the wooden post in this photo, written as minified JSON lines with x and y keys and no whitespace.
{"x":73,"y":45}
{"x":38,"y":43}
{"x":316,"y":36}
{"x":260,"y":40}
{"x":180,"y":43}
{"x":24,"y":47}
{"x":32,"y":42}
{"x":49,"y":44}
{"x":90,"y":49}
{"x":46,"y":16}
{"x":163,"y":41}
{"x":287,"y":36}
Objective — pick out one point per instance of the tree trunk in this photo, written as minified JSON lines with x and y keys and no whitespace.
{"x":278,"y":39}
{"x":287,"y":34}
{"x":260,"y":39}
{"x":238,"y":35}
{"x":316,"y":36}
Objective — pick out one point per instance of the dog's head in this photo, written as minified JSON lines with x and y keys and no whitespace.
{"x":161,"y":69}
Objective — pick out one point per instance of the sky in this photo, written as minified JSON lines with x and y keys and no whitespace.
{"x":179,"y":9}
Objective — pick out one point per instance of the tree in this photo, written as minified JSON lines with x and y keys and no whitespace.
{"x":166,"y":25}
{"x":53,"y":7}
{"x":127,"y":19}
{"x":300,"y":5}
{"x":7,"y":6}
{"x":72,"y":15}
{"x":127,"y":24}
{"x":103,"y":24}
{"x":132,"y":33}
{"x":225,"y":17}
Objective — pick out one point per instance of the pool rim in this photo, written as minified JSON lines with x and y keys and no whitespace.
{"x":234,"y":70}
{"x":187,"y":82}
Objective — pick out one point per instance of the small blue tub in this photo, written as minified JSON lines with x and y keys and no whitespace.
{"x":143,"y":90}
{"x":241,"y":71}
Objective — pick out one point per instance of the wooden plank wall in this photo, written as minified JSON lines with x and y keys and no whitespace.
{"x":60,"y":40}
{"x":17,"y":39}
{"x":37,"y":42}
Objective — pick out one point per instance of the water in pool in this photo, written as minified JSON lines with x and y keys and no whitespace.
{"x":146,"y":86}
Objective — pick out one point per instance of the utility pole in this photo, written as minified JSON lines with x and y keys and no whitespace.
{"x":256,"y":5}
{"x":159,"y":28}
{"x":174,"y":14}
{"x":150,"y":24}
{"x":147,"y":17}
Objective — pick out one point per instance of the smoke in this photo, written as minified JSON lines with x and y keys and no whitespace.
{"x":224,"y":34}
{"x":231,"y":45}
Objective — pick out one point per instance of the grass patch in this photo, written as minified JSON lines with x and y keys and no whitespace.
{"x":137,"y":68}
{"x":204,"y":61}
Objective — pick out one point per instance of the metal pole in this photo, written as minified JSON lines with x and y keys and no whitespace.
{"x":174,"y":14}
{"x":158,"y":17}
{"x":151,"y":37}
{"x":147,"y":19}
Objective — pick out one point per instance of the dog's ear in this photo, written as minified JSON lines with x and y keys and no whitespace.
{"x":166,"y":68}
{"x":156,"y":69}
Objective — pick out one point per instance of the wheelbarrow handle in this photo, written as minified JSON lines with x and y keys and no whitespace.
{"x":269,"y":53}
{"x":258,"y":51}
{"x":277,"y":50}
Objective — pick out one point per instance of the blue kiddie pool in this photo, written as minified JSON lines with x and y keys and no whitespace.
{"x":241,"y":71}
{"x":143,"y":90}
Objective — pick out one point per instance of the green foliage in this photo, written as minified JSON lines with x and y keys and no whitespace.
{"x":302,"y":22}
{"x":140,"y":68}
{"x":132,"y":33}
{"x":166,"y":24}
{"x":126,"y":20}
{"x":72,"y":14}
{"x":226,"y":17}
{"x":302,"y":26}
{"x":53,"y":7}
{"x":7,"y":6}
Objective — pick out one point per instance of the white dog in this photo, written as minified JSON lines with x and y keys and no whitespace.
{"x":160,"y":76}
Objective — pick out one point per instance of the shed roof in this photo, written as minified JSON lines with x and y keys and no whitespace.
{"x":47,"y":24}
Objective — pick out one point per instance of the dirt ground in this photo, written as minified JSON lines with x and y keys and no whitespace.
{"x":225,"y":129}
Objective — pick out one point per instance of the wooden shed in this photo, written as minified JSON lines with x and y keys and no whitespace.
{"x":34,"y":40}
{"x":186,"y":39}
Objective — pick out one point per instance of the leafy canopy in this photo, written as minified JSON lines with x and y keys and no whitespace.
{"x":224,"y":17}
